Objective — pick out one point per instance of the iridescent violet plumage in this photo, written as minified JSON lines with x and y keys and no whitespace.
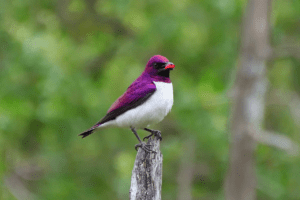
{"x":146,"y":101}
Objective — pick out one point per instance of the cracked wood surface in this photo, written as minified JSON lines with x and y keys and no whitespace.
{"x":146,"y":179}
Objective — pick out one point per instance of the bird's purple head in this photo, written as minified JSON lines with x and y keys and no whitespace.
{"x":159,"y":66}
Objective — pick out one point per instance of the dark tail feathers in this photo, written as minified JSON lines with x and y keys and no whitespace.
{"x":87,"y":133}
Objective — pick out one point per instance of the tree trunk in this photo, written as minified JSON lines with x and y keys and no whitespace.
{"x":146,"y":178}
{"x":187,"y":170}
{"x":248,"y":101}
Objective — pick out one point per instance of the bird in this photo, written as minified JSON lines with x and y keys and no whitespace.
{"x":146,"y":101}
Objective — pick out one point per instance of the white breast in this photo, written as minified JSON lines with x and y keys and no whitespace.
{"x":150,"y":112}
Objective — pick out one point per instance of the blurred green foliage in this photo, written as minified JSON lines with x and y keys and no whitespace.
{"x":63,"y":63}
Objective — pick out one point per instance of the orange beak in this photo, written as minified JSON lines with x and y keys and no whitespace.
{"x":169,"y":65}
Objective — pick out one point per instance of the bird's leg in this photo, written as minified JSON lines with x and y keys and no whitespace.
{"x":142,"y":145}
{"x":153,"y":132}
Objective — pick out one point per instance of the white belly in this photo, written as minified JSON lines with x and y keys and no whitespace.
{"x":150,"y":112}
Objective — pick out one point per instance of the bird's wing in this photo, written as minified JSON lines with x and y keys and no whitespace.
{"x":137,"y":93}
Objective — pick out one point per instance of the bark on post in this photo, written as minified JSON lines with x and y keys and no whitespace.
{"x":248,"y":101}
{"x":146,"y":178}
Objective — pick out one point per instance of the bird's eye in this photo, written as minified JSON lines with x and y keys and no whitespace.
{"x":158,"y":65}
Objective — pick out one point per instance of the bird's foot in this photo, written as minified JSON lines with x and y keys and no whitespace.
{"x":156,"y":133}
{"x":145,"y":147}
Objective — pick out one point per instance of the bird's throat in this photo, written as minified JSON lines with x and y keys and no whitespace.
{"x":164,"y":73}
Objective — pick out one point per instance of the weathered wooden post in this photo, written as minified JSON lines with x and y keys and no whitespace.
{"x":146,"y":179}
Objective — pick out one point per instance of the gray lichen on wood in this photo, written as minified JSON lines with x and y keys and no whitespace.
{"x":146,"y":179}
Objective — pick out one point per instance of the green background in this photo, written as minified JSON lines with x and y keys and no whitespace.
{"x":63,"y":63}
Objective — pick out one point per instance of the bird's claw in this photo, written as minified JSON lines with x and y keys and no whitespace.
{"x":147,"y":137}
{"x":145,"y":147}
{"x":155,"y":133}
